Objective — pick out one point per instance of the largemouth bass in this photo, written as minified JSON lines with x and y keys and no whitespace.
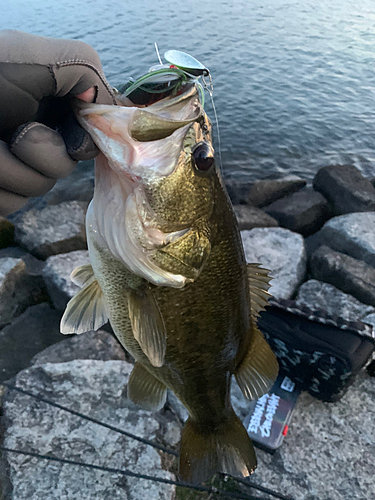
{"x":168,"y":271}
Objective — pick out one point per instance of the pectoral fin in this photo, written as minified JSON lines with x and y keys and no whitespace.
{"x":259,"y":282}
{"x":86,"y":310}
{"x":147,"y":325}
{"x":145,"y":390}
{"x":258,"y":370}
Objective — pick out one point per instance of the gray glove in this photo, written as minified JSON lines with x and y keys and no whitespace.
{"x":40,"y":140}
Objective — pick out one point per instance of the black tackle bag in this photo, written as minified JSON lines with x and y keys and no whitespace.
{"x":321,"y":354}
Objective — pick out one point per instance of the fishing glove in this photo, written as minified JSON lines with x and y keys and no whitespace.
{"x":40,"y":139}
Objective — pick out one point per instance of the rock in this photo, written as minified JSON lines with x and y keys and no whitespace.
{"x":250,"y":217}
{"x":99,"y":345}
{"x":19,"y":289}
{"x":52,"y":230}
{"x":34,"y":330}
{"x":266,"y":191}
{"x":328,"y":453}
{"x":97,"y":389}
{"x":302,"y":212}
{"x":352,"y":234}
{"x":370,"y":320}
{"x":345,"y":188}
{"x":78,"y":186}
{"x":238,"y":190}
{"x":349,"y":275}
{"x":317,"y":295}
{"x":34,"y":266}
{"x":282,"y":252}
{"x":177,"y":407}
{"x":57,"y":276}
{"x":6,"y":233}
{"x":239,"y":402}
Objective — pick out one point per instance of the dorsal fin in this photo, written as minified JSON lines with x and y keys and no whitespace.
{"x":259,"y":284}
{"x":86,"y":310}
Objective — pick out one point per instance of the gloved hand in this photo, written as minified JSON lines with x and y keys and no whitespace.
{"x":40,"y":140}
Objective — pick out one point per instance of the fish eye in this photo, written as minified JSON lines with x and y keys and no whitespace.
{"x":203,"y":155}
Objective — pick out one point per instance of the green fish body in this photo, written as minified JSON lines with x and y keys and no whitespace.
{"x":169,"y":273}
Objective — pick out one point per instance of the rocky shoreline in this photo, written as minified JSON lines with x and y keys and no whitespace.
{"x":319,"y":243}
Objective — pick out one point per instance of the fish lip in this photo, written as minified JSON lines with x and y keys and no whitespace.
{"x":190,"y":91}
{"x":167,"y":102}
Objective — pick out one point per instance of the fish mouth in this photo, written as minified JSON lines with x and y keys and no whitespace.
{"x":143,"y":142}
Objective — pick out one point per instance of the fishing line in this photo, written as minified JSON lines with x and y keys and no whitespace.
{"x":133,"y":436}
{"x":210,"y":90}
{"x":90,"y":419}
{"x":158,"y":54}
{"x":212,"y":490}
{"x":263,"y":489}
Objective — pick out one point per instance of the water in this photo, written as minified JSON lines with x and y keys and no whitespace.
{"x":294,"y":82}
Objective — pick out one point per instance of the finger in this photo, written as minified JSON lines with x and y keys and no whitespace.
{"x":43,"y":149}
{"x":19,"y":178}
{"x":88,"y":96}
{"x":11,"y":202}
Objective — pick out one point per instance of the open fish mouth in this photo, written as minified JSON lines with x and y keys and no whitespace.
{"x":143,"y":143}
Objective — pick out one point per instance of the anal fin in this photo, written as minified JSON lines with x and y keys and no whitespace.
{"x":145,"y":390}
{"x":147,"y":325}
{"x":258,"y":370}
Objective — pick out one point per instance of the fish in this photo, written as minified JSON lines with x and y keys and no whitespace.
{"x":167,"y":269}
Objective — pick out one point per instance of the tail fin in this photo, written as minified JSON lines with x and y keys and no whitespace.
{"x":227,"y":449}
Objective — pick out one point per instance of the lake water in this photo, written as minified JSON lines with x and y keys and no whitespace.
{"x":294,"y":82}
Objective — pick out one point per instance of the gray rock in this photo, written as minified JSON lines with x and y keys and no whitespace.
{"x":302,"y":212}
{"x":266,"y":191}
{"x":57,"y":276}
{"x":317,"y":295}
{"x":34,"y":266}
{"x":52,"y":230}
{"x":250,"y":217}
{"x":78,"y":186}
{"x":34,"y":330}
{"x":345,"y":188}
{"x":97,"y":389}
{"x":6,"y":233}
{"x":352,"y":234}
{"x":239,"y":402}
{"x":100,"y":345}
{"x":282,"y":252}
{"x":370,"y":320}
{"x":329,"y":451}
{"x":349,"y":275}
{"x":177,"y":407}
{"x":19,"y":289}
{"x":238,"y":190}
